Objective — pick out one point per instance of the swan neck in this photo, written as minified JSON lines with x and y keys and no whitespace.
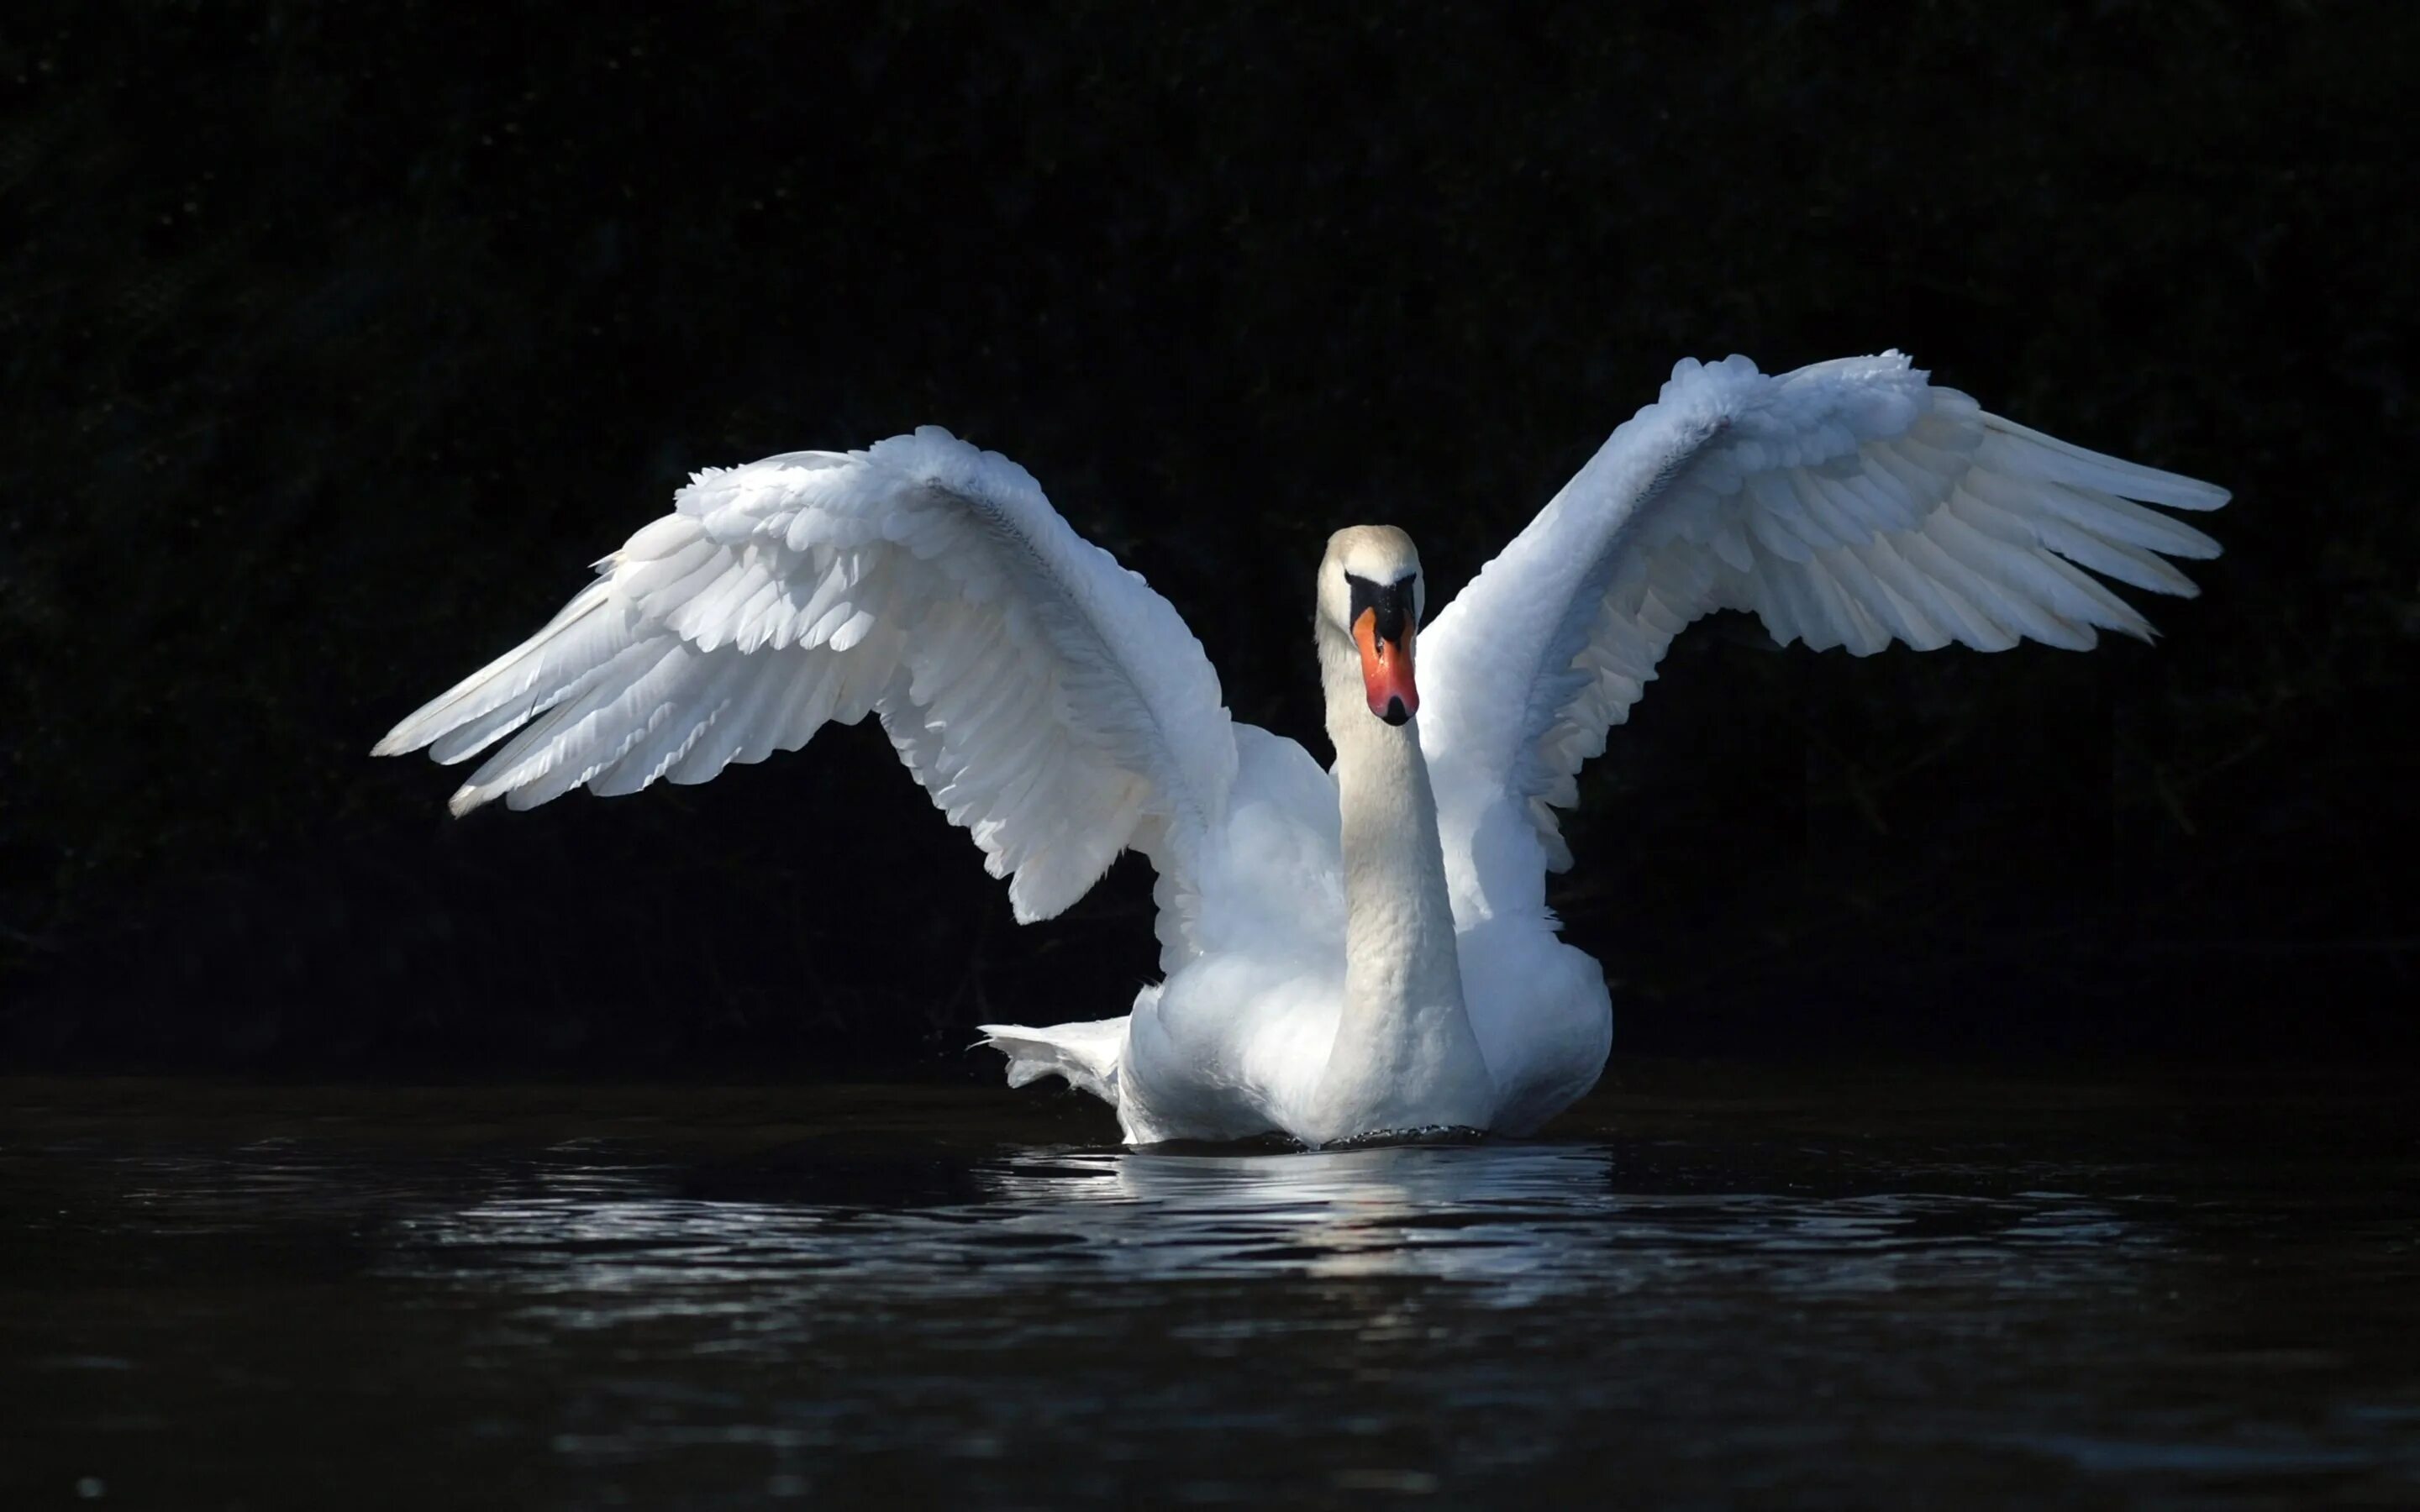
{"x":1399,"y":919}
{"x":1404,"y":1055}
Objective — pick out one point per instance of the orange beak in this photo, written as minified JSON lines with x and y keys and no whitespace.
{"x":1386,"y":669}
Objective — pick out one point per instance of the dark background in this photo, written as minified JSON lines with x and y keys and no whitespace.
{"x":337,"y":340}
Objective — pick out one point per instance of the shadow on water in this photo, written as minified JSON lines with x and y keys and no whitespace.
{"x":702,"y":1304}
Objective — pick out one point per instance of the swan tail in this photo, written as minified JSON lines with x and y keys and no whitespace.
{"x":1085,"y":1054}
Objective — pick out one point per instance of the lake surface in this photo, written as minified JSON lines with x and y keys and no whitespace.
{"x":1706,"y":1286}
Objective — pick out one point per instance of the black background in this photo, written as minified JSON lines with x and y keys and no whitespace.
{"x":337,"y":340}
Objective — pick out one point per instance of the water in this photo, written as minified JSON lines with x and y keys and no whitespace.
{"x":1709,"y":1286}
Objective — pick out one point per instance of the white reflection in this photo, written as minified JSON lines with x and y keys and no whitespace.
{"x":1501,"y":1213}
{"x":1517,"y":1222}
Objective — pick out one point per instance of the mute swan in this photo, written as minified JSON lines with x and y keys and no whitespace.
{"x":1351,"y":951}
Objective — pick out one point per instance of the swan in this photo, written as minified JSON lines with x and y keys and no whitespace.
{"x":1353,"y":951}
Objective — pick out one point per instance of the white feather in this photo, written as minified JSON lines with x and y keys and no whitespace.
{"x":919,"y":576}
{"x":1870,"y":506}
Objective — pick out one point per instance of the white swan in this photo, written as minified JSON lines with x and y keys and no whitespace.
{"x":1346,"y":952}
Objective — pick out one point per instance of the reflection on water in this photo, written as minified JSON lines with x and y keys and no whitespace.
{"x":1530,"y":1221}
{"x":1973,"y":1304}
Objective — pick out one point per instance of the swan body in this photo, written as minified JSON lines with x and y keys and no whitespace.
{"x":1348,"y":952}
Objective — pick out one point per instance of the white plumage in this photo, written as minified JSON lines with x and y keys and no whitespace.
{"x":1348,"y":952}
{"x":1049,"y":702}
{"x":1849,"y":504}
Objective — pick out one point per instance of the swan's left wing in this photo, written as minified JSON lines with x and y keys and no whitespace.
{"x":1045,"y":696}
{"x":1848,"y":504}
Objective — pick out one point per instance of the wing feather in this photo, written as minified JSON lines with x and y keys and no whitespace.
{"x":1045,"y":696}
{"x":1850,"y":503}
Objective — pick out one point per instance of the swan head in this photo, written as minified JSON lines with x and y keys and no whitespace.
{"x":1371,"y":595}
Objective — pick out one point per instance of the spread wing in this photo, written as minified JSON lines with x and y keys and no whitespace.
{"x":1850,"y":503}
{"x":1047,"y":698}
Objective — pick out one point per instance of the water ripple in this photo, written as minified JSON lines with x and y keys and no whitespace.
{"x":1531,"y":1221}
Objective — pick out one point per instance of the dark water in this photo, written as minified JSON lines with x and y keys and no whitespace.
{"x":1710,"y":1286}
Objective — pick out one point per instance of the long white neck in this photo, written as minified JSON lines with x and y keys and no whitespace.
{"x":1405,"y":1055}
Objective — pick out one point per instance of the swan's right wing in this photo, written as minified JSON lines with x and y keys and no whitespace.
{"x":1050,"y":701}
{"x":1846,"y":503}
